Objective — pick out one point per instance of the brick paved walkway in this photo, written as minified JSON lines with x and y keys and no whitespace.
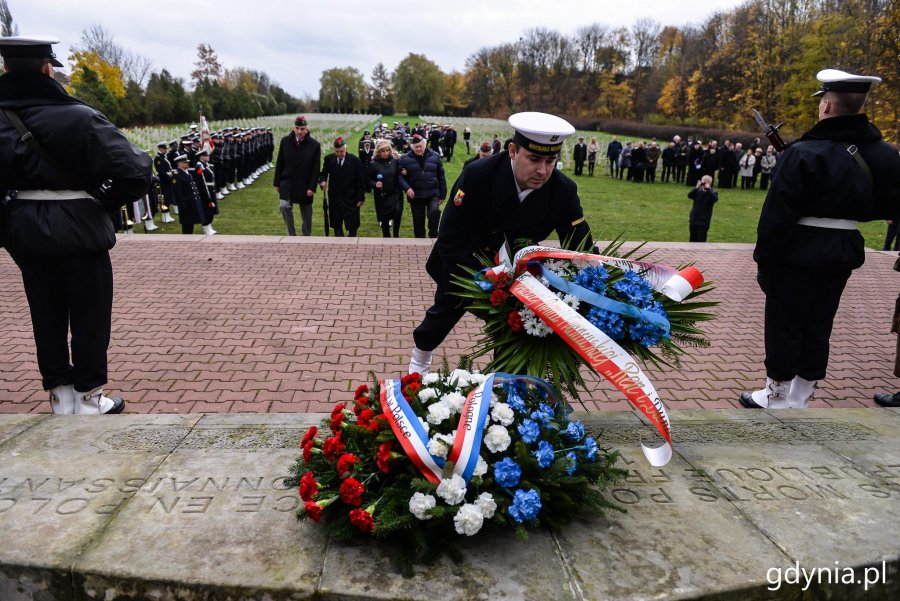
{"x":268,"y":324}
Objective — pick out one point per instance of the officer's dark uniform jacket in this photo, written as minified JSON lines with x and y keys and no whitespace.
{"x":99,"y":154}
{"x":188,"y":197}
{"x":297,"y":168}
{"x":484,"y":211}
{"x":345,"y":185}
{"x":817,"y":177}
{"x":205,"y":179}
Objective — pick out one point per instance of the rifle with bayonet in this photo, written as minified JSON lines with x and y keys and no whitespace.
{"x":770,"y":131}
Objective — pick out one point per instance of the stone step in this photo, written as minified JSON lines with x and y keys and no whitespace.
{"x":194,"y":507}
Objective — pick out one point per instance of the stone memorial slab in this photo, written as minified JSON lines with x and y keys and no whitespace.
{"x":214,"y":516}
{"x":195,"y":507}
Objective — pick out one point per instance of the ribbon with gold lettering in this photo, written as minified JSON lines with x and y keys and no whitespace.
{"x":603,"y":354}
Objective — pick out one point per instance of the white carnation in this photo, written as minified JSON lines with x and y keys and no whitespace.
{"x":462,"y":377}
{"x":438,"y":412}
{"x":476,"y":378}
{"x":426,"y":394}
{"x":503,"y":414}
{"x":437,"y":447}
{"x":494,"y":399}
{"x":430,"y":378}
{"x":468,"y":520}
{"x":487,"y":505}
{"x":424,"y":424}
{"x":454,"y":400}
{"x":497,"y":439}
{"x":452,"y":490}
{"x":420,"y":505}
{"x":480,"y":467}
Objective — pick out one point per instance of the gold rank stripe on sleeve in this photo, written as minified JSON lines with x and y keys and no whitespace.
{"x":577,"y":221}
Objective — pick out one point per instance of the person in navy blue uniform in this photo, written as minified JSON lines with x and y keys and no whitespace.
{"x":518,"y":193}
{"x":838,"y":173}
{"x":57,"y":225}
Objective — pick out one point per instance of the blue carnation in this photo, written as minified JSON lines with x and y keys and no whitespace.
{"x":525,"y":506}
{"x":574,"y":431}
{"x":543,"y":413}
{"x":544,"y":454}
{"x":590,"y":448}
{"x":507,"y":472}
{"x":529,"y":430}
{"x":573,"y":462}
{"x":515,"y":401}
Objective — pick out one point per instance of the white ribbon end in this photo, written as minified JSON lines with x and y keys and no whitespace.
{"x":659,"y":456}
{"x":677,"y":288}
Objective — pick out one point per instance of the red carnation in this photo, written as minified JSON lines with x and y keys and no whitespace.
{"x":502,"y":280}
{"x":490,"y":275}
{"x":351,"y":492}
{"x":338,"y":409}
{"x":346,"y":463}
{"x":377,"y":424}
{"x":362,"y":391}
{"x":410,"y":378}
{"x":383,"y":459}
{"x":411,"y":389}
{"x":363,"y":520}
{"x":308,"y":486}
{"x":307,"y":452}
{"x":365,"y":418}
{"x":498,"y":297}
{"x":515,"y":321}
{"x":310,"y":434}
{"x":314,"y":511}
{"x":332,"y":447}
{"x":336,"y":422}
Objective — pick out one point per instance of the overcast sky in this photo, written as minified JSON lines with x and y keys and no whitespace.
{"x":294,"y":41}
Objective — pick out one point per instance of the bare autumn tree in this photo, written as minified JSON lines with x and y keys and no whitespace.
{"x":134,"y":66}
{"x":207,"y":65}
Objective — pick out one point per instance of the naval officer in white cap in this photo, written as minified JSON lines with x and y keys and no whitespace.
{"x":512,"y":195}
{"x":838,"y":173}
{"x":64,"y":166}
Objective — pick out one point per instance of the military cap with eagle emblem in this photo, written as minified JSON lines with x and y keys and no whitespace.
{"x":540,"y":133}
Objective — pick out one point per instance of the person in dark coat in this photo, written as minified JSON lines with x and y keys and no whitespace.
{"x":467,"y":138}
{"x":425,"y":185}
{"x":694,"y":165}
{"x":711,"y":161}
{"x":638,"y":162}
{"x":668,"y":162}
{"x":704,"y":197}
{"x":383,"y":175}
{"x":187,"y":196}
{"x":613,"y":150}
{"x":653,"y":154}
{"x":56,"y":223}
{"x":484,"y":151}
{"x":579,"y":155}
{"x":841,"y":171}
{"x":342,"y":178}
{"x":205,"y":178}
{"x":296,"y":175}
{"x":517,"y":194}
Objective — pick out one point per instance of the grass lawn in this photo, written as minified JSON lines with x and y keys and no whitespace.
{"x":643,"y":211}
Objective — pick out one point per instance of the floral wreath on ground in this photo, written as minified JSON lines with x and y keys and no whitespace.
{"x":534,"y":466}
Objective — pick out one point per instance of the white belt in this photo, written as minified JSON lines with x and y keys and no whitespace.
{"x":52,"y":194}
{"x":827,"y":222}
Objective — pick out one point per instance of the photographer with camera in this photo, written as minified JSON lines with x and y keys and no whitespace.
{"x":704,"y":197}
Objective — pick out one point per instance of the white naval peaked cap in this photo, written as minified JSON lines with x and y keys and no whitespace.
{"x":834,"y":80}
{"x":35,"y":46}
{"x":540,"y":133}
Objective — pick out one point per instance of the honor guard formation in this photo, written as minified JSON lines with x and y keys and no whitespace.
{"x":191,"y":178}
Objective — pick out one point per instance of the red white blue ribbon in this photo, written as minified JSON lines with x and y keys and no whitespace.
{"x":470,"y":430}
{"x":603,"y":354}
{"x":410,"y":431}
